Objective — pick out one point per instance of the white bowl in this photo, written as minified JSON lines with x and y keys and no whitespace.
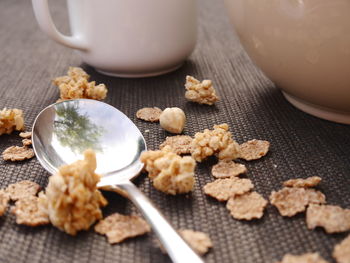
{"x":303,"y":46}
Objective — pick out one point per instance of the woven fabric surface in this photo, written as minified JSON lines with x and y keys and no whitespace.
{"x":301,"y":146}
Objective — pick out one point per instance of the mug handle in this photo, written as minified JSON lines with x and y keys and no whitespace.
{"x":42,"y":14}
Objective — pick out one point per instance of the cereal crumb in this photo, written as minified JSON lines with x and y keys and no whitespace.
{"x":305,"y":183}
{"x":305,"y":258}
{"x":76,"y":85}
{"x":333,"y":219}
{"x":223,"y":189}
{"x":289,"y":201}
{"x":315,"y":197}
{"x":247,"y":206}
{"x":173,"y":120}
{"x":16,"y":153}
{"x":180,"y":144}
{"x":28,"y":211}
{"x":200,"y":92}
{"x":170,"y":173}
{"x":224,"y":169}
{"x":199,"y":241}
{"x":22,"y":190}
{"x":10,"y":120}
{"x":73,"y":200}
{"x":253,"y":149}
{"x":118,"y":227}
{"x":146,"y":130}
{"x":4,"y":199}
{"x":149,"y":114}
{"x":27,"y":142}
{"x":217,"y":141}
{"x":25,"y":135}
{"x":341,"y":251}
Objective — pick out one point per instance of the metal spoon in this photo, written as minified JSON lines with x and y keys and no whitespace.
{"x":61,"y":133}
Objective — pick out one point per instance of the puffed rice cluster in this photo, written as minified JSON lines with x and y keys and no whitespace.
{"x":10,"y":120}
{"x":170,"y":173}
{"x":72,"y":199}
{"x":218,"y":141}
{"x":200,"y":92}
{"x":76,"y":85}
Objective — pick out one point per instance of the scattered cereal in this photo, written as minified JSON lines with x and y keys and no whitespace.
{"x":333,"y":219}
{"x":22,"y":190}
{"x":305,"y":258}
{"x":341,"y":251}
{"x":180,"y":144}
{"x":29,"y":212}
{"x":10,"y":120}
{"x":119,"y":227}
{"x":224,"y":169}
{"x":76,"y":85}
{"x":16,"y":153}
{"x":200,"y":92}
{"x":4,"y":199}
{"x":223,"y":189}
{"x":315,"y":197}
{"x":25,"y":135}
{"x":289,"y":201}
{"x":171,"y":173}
{"x":199,"y":241}
{"x":149,"y":114}
{"x":305,"y":183}
{"x":253,"y":149}
{"x":27,"y":142}
{"x":173,"y":120}
{"x":73,"y":201}
{"x":218,"y":141}
{"x":247,"y":206}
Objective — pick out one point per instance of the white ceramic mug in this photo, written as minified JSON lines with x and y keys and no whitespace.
{"x":127,"y":38}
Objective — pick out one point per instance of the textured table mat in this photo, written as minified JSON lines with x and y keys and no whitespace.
{"x":301,"y":145}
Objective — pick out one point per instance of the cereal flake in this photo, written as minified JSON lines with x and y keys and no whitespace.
{"x":16,"y":153}
{"x":199,"y":241}
{"x":224,"y":169}
{"x":289,"y":201}
{"x":223,"y":189}
{"x":4,"y":199}
{"x":218,"y":141}
{"x":10,"y":120}
{"x":22,"y":190}
{"x":180,"y":144}
{"x":27,"y":142}
{"x":25,"y":135}
{"x":304,"y":183}
{"x":200,"y":92}
{"x":29,"y":212}
{"x":118,"y":227}
{"x":247,"y":206}
{"x":170,"y":173}
{"x":305,"y":258}
{"x":333,"y":219}
{"x":73,"y":200}
{"x":149,"y":114}
{"x":341,"y":251}
{"x":253,"y":149}
{"x":315,"y":197}
{"x":76,"y":85}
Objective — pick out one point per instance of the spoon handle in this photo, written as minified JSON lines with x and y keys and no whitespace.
{"x":177,"y":248}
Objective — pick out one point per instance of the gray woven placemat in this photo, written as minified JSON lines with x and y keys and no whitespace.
{"x":301,"y":146}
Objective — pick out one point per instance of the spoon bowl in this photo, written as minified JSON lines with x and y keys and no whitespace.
{"x":64,"y":130}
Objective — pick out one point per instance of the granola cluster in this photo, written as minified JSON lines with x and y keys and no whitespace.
{"x":72,"y":199}
{"x":170,"y":173}
{"x":10,"y":120}
{"x":76,"y":85}
{"x":200,"y":92}
{"x":218,"y":141}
